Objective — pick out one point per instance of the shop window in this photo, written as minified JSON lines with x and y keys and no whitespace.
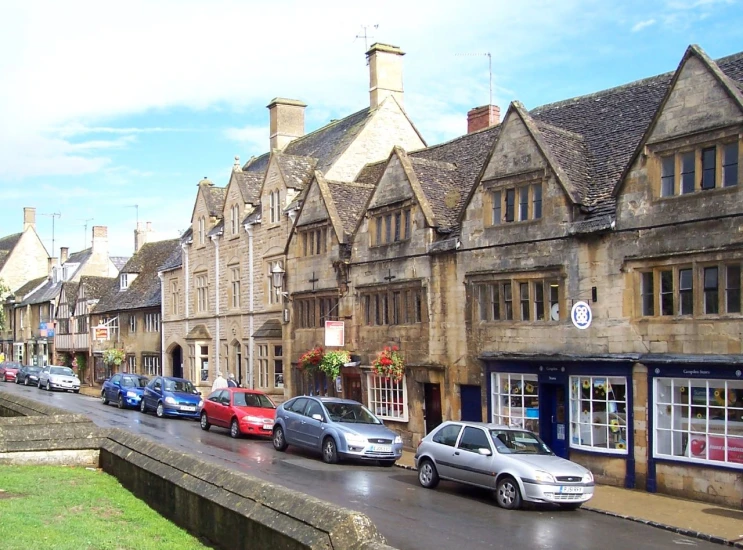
{"x":598,"y":413}
{"x":387,"y":397}
{"x":699,"y":420}
{"x":515,"y":400}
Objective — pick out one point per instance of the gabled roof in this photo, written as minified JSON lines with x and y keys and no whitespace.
{"x":69,"y":289}
{"x":29,"y":287}
{"x":217,"y":229}
{"x":119,"y":261}
{"x":371,"y":172}
{"x":7,"y":244}
{"x":297,"y":171}
{"x":174,"y":261}
{"x":46,"y":293}
{"x":249,"y":184}
{"x":79,"y":257}
{"x":94,"y":286}
{"x":350,"y":202}
{"x":144,"y":291}
{"x":214,"y":197}
{"x":254,"y":216}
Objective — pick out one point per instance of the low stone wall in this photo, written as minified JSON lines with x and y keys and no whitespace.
{"x":229,"y":509}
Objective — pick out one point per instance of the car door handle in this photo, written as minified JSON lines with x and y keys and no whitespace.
{"x":456,"y":453}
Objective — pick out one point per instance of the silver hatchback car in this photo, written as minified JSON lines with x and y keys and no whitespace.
{"x":513,"y":462}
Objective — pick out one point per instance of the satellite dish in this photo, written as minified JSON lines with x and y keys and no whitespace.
{"x":555,"y":312}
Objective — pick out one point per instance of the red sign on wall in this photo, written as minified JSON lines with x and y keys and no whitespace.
{"x":335,"y":334}
{"x":713,"y":447}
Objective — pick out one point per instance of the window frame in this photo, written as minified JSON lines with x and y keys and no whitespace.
{"x":384,"y":394}
{"x":486,"y":291}
{"x":578,"y":413}
{"x":520,"y":202}
{"x":391,"y":225}
{"x":201,"y":283}
{"x":379,"y":303}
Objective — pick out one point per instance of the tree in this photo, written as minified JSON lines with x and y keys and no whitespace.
{"x":4,"y":292}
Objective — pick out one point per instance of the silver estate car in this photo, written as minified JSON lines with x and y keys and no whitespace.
{"x":513,"y":462}
{"x":337,"y":428}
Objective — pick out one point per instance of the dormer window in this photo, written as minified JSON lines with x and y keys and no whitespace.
{"x":313,"y":242}
{"x":391,"y":226}
{"x":123,"y":281}
{"x":700,"y":169}
{"x":516,"y":204}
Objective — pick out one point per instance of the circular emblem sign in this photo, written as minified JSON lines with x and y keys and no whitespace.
{"x":581,"y":315}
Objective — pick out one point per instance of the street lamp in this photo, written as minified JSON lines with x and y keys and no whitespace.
{"x":277,"y":275}
{"x":11,"y":301}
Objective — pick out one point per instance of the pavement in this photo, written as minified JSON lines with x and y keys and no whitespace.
{"x":686,"y":517}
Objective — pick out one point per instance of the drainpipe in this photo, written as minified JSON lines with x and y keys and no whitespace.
{"x":186,"y":287}
{"x":215,"y":240}
{"x":251,"y":305}
{"x":161,"y":276}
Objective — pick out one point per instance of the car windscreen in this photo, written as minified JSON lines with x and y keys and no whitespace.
{"x":518,"y":443}
{"x":134,"y":382}
{"x":33,"y":370}
{"x":179,"y":385}
{"x":245,"y":399}
{"x":354,"y":413}
{"x":65,"y":371}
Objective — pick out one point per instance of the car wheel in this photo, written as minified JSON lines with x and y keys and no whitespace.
{"x":25,"y":381}
{"x":205,"y":422}
{"x":75,"y":391}
{"x":38,"y":384}
{"x":235,"y":428}
{"x":142,"y":407}
{"x":279,"y":442}
{"x":507,"y":494}
{"x":428,"y":477}
{"x":120,"y":403}
{"x":387,"y":463}
{"x":104,"y":399}
{"x":48,"y":386}
{"x":329,"y":451}
{"x":571,"y":506}
{"x":160,"y":411}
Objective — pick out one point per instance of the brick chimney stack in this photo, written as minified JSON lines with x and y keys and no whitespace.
{"x":100,"y":239}
{"x":385,"y":73}
{"x":64,"y":252}
{"x":142,"y":235}
{"x":29,"y":218}
{"x":286,"y":120}
{"x":482,"y":117}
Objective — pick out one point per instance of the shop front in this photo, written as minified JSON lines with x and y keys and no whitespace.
{"x":695,"y":427}
{"x":582,"y":408}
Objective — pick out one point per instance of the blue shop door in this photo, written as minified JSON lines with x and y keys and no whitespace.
{"x":471,"y":402}
{"x":553,"y":427}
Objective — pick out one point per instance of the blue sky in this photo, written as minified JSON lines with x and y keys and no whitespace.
{"x":106,"y":105}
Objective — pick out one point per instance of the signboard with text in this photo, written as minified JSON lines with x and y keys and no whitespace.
{"x":335,"y":334}
{"x":100,"y":332}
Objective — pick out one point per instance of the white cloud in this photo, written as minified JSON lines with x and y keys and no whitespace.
{"x":643,"y":25}
{"x":250,"y":137}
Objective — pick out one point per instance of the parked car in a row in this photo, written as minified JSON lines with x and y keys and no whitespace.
{"x":170,"y":396}
{"x":243,"y":411}
{"x":513,"y":462}
{"x":124,"y":389}
{"x":9,"y":371}
{"x":336,"y":428}
{"x":53,"y":377}
{"x":28,"y":375}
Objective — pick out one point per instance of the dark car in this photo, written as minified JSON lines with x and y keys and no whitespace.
{"x":337,"y":428}
{"x":9,"y":371}
{"x":124,"y":389}
{"x":169,"y":396}
{"x":243,"y":411}
{"x":28,"y":375}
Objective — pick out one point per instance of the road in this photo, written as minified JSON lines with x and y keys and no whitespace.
{"x":409,"y":516}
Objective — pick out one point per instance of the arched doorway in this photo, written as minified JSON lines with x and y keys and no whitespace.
{"x":176,"y":356}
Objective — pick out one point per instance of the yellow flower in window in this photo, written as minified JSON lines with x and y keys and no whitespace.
{"x":683,"y":389}
{"x":506,"y":388}
{"x":586,"y":384}
{"x":600,"y":386}
{"x":614,"y":425}
{"x":699,"y":415}
{"x":516,"y":389}
{"x":620,"y":445}
{"x":529,"y":388}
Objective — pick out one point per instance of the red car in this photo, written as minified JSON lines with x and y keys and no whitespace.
{"x":243,"y":411}
{"x":8,"y":371}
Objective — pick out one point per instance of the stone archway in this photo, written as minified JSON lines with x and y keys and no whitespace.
{"x":175,"y":355}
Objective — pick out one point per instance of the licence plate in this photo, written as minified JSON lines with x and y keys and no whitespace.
{"x":268,"y":426}
{"x":381,"y":448}
{"x":190,"y":409}
{"x":570,"y":490}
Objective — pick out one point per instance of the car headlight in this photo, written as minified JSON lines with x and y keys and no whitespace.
{"x":201,"y":403}
{"x":588,"y":477}
{"x":398,"y":440}
{"x":170,"y":400}
{"x":253,"y":419}
{"x":543,"y":477}
{"x":131,"y":394}
{"x":355,"y":439}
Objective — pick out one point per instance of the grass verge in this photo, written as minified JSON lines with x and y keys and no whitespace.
{"x":60,"y":508}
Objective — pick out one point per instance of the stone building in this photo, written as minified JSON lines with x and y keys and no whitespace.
{"x":222,"y":312}
{"x":128,"y":314}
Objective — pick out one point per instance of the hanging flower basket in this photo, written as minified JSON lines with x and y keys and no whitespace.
{"x":310,"y":359}
{"x":113,"y":357}
{"x":389,"y":363}
{"x":332,"y":362}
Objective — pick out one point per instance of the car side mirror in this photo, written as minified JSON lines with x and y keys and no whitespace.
{"x":317,"y":417}
{"x":484,"y":452}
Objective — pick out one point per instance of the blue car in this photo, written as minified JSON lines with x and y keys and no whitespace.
{"x":124,"y":389}
{"x":169,"y":396}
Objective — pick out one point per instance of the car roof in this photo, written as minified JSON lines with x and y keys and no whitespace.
{"x":487,"y":425}
{"x":242,"y":390}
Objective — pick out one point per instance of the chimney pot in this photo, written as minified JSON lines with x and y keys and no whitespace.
{"x":286,"y":121}
{"x":483,"y":117}
{"x":63,"y":254}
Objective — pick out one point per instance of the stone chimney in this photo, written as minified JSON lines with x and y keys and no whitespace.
{"x":385,"y":73}
{"x":64,"y":252}
{"x":100,"y":240}
{"x":482,"y":117}
{"x":206,"y":182}
{"x":51,"y":262}
{"x":142,"y":235}
{"x":29,"y":218}
{"x":286,"y":119}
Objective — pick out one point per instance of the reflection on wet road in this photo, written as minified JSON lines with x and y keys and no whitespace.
{"x":409,"y":516}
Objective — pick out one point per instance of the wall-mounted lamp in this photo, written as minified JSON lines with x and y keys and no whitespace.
{"x":277,"y":278}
